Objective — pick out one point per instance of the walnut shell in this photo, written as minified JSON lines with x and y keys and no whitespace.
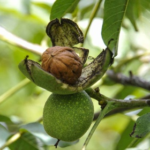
{"x":63,"y":63}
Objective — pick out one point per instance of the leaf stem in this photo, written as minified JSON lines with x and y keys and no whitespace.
{"x":106,"y":110}
{"x":94,"y":12}
{"x":13,"y":90}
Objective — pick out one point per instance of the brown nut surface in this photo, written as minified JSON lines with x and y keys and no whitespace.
{"x":63,"y":63}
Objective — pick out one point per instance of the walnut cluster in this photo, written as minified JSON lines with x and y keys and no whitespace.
{"x":63,"y":63}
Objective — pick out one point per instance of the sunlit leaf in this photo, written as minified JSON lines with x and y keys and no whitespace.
{"x":142,"y":126}
{"x":114,"y":11}
{"x":61,"y":7}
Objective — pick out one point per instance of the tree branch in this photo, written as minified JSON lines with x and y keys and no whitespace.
{"x":120,"y":105}
{"x":132,"y":103}
{"x":14,"y":40}
{"x":131,"y":80}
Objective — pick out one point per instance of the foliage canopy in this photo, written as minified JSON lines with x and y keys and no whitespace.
{"x":22,"y":33}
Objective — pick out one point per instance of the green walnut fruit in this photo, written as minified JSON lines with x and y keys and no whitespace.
{"x":67,"y":117}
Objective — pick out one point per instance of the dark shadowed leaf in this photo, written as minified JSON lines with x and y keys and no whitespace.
{"x":61,"y":7}
{"x":142,"y":126}
{"x":114,"y":11}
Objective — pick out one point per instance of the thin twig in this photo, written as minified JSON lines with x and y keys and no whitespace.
{"x":127,"y":104}
{"x":134,"y":80}
{"x":13,"y":90}
{"x":120,"y":105}
{"x":93,"y":14}
{"x":14,"y":40}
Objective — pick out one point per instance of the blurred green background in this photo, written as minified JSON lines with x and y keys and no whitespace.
{"x":27,"y":19}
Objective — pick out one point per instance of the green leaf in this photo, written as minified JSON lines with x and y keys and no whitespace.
{"x":109,"y":107}
{"x":131,"y":12}
{"x":142,"y":126}
{"x":144,"y":111}
{"x":27,"y":141}
{"x":61,"y":7}
{"x":114,"y":11}
{"x":125,"y":138}
{"x":5,"y":119}
{"x":135,"y":9}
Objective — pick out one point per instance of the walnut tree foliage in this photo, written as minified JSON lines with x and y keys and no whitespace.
{"x":126,"y":83}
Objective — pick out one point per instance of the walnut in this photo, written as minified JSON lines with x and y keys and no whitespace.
{"x":63,"y":63}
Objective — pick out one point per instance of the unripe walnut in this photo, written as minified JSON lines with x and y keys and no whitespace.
{"x":63,"y":63}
